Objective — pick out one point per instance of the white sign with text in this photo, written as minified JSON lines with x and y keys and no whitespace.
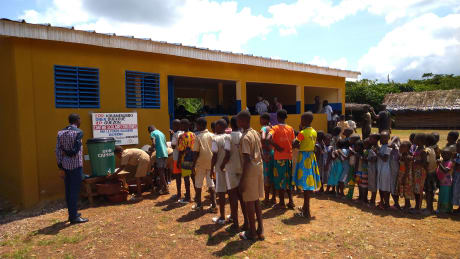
{"x":120,"y":126}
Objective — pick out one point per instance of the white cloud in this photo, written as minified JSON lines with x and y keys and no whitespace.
{"x":63,"y":12}
{"x":340,"y":63}
{"x":203,"y":23}
{"x":425,"y":44}
{"x":325,"y":12}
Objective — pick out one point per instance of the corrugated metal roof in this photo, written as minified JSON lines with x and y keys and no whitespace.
{"x":21,"y":29}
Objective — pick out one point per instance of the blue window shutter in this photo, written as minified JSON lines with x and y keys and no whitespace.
{"x":76,"y":87}
{"x":142,"y":90}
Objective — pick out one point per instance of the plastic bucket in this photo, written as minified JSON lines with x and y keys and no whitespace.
{"x":102,"y":155}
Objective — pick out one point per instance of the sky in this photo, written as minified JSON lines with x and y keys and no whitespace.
{"x":399,"y":39}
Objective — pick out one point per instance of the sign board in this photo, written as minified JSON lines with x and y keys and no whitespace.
{"x":121,"y":126}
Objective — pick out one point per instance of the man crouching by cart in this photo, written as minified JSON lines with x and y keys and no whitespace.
{"x":134,"y":157}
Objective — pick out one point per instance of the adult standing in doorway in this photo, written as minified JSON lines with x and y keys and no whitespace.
{"x":69,"y":155}
{"x":383,"y":119}
{"x":327,"y":109}
{"x":366,"y":122}
{"x":317,"y":108}
{"x":261,"y":105}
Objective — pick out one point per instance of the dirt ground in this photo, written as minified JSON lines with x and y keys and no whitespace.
{"x":157,"y":227}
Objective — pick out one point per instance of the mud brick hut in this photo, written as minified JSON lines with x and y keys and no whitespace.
{"x":430,"y":109}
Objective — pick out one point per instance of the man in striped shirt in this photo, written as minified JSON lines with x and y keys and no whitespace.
{"x":69,"y":155}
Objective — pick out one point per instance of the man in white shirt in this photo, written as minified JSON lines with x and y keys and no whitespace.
{"x":328,"y":110}
{"x":261,"y":105}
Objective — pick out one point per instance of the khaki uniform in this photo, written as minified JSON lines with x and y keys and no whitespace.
{"x":203,"y":143}
{"x":136,"y":157}
{"x":253,"y":180}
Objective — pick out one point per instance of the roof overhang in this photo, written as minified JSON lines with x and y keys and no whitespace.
{"x":22,"y":29}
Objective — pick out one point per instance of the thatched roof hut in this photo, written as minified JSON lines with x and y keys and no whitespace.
{"x":430,"y":109}
{"x":355,"y":107}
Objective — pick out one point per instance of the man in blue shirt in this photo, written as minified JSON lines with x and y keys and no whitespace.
{"x":69,"y":155}
{"x":161,"y":156}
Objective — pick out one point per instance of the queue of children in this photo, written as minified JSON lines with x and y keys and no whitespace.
{"x":382,"y":164}
{"x":247,"y":166}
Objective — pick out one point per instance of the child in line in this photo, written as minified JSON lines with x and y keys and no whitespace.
{"x":431,"y":180}
{"x":372,"y":167}
{"x":405,"y":180}
{"x":307,"y":176}
{"x":383,"y":170}
{"x":233,"y":171}
{"x":176,"y":169}
{"x":268,"y":159}
{"x":456,"y":179}
{"x":282,"y":137}
{"x":444,"y":174}
{"x":336,"y":169}
{"x":353,"y":175}
{"x":185,"y":144}
{"x":355,"y":179}
{"x":202,"y":164}
{"x":252,"y":179}
{"x":218,"y":165}
{"x":362,"y":168}
{"x":320,"y":152}
{"x":344,"y":155}
{"x":394,"y":168}
{"x":419,"y":169}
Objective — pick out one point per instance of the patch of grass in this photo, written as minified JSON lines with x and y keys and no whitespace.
{"x":20,"y":253}
{"x":11,"y":241}
{"x":60,"y":240}
{"x":55,"y":221}
{"x":68,"y":256}
{"x":164,"y":219}
{"x":70,"y":239}
{"x":45,"y":242}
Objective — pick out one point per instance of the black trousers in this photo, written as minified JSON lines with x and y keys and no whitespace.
{"x":72,"y":181}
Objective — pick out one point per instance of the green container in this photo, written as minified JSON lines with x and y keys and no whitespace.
{"x":102,"y":155}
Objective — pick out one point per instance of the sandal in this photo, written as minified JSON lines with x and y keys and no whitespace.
{"x":243,"y":235}
{"x":302,"y":215}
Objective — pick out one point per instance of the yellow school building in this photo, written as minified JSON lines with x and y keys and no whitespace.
{"x":49,"y":72}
